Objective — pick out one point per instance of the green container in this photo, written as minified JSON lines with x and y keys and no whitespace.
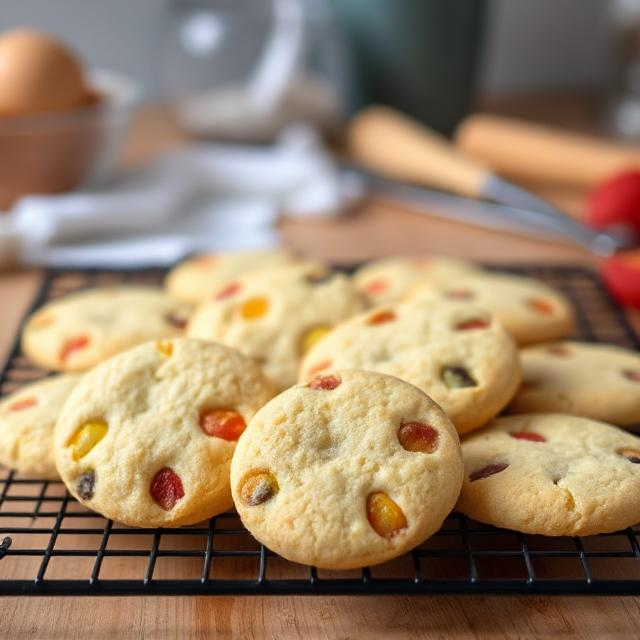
{"x":420,"y":56}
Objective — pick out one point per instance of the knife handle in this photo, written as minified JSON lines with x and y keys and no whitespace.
{"x":536,"y":153}
{"x":393,"y":145}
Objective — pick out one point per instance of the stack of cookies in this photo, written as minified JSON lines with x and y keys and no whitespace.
{"x":329,"y":409}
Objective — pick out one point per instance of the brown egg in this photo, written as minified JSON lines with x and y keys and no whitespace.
{"x":38,"y":74}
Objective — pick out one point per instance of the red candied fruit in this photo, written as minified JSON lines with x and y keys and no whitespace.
{"x":489,"y":470}
{"x":75,"y":344}
{"x":326,"y":383}
{"x":417,"y":436}
{"x":381,"y":317}
{"x":176,"y":320}
{"x":375,"y":287}
{"x":632,"y":374}
{"x":21,"y":405}
{"x":473,"y":323}
{"x":166,"y":488}
{"x":222,"y":423}
{"x":528,"y":435}
{"x":226,"y":292}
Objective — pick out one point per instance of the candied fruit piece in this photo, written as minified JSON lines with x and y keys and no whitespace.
{"x":42,"y":321}
{"x":176,"y":319}
{"x":73,"y":345}
{"x":384,"y":515}
{"x":86,"y":484}
{"x":319,"y":278}
{"x":472,"y":323}
{"x":375,"y":287}
{"x":166,"y":488}
{"x":254,"y":308}
{"x":87,"y":437}
{"x":21,"y":405}
{"x":311,"y":338}
{"x":489,"y":470}
{"x":165,"y":347}
{"x":258,"y":487}
{"x":632,"y":455}
{"x":319,"y":366}
{"x":558,"y":350}
{"x":228,"y":291}
{"x":458,"y":294}
{"x":326,"y":383}
{"x":632,"y":374}
{"x":417,"y":436}
{"x":222,"y":423}
{"x":528,"y":435}
{"x":381,"y":317}
{"x":457,"y":378}
{"x":540,"y":306}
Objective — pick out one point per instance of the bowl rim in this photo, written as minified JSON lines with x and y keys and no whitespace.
{"x":120,"y":94}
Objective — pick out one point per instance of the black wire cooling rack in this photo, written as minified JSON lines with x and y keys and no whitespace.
{"x":52,"y":545}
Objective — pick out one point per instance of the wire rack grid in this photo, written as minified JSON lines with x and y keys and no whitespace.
{"x":52,"y":545}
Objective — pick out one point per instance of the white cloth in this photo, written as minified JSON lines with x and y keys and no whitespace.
{"x":198,"y":198}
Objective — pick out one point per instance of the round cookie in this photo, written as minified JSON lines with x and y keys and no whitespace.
{"x":27,"y":419}
{"x":198,"y":279}
{"x":455,"y":353}
{"x":387,"y":280}
{"x":598,"y":381}
{"x":552,"y":474}
{"x":351,"y":470}
{"x":80,"y":330}
{"x":146,"y":438}
{"x":529,"y":309}
{"x":277,"y":316}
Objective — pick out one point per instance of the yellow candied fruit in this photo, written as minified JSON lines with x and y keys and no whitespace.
{"x":254,"y":308}
{"x":313,"y":336}
{"x":384,"y":515}
{"x":86,"y":438}
{"x":165,"y":347}
{"x":258,"y":488}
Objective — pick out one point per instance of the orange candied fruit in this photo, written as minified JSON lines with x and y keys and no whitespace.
{"x":311,"y":338}
{"x":254,"y":308}
{"x":71,"y":346}
{"x":472,"y":323}
{"x":417,"y":436}
{"x":165,"y":347}
{"x":21,"y":405}
{"x":540,"y":306}
{"x":258,"y":487}
{"x":86,"y":438}
{"x":222,"y":423}
{"x":384,"y":515}
{"x":381,"y":317}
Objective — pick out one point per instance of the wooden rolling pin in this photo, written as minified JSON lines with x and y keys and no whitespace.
{"x":535,"y":153}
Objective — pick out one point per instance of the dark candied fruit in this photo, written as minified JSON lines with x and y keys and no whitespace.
{"x":540,"y":306}
{"x":166,"y":488}
{"x":417,"y":436}
{"x":176,"y":320}
{"x":528,"y":435}
{"x":632,"y":455}
{"x":86,"y":484}
{"x":457,"y":378}
{"x":489,"y":470}
{"x":326,"y":383}
{"x":319,"y":278}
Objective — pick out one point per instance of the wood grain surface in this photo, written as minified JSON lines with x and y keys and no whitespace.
{"x":375,"y":228}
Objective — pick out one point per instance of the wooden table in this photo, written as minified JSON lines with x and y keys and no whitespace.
{"x":373,"y":229}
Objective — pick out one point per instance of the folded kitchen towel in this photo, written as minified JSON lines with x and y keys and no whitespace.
{"x":197,"y":198}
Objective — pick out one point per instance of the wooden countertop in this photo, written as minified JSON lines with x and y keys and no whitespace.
{"x":375,"y":228}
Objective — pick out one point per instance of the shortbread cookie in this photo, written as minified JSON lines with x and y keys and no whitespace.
{"x":277,"y":316}
{"x":27,"y":419}
{"x":80,"y":330}
{"x":350,"y":470}
{"x":146,"y":438}
{"x":457,"y":354}
{"x":387,"y":280}
{"x":198,"y":279}
{"x":597,"y":381}
{"x":552,"y":474}
{"x":529,"y":309}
